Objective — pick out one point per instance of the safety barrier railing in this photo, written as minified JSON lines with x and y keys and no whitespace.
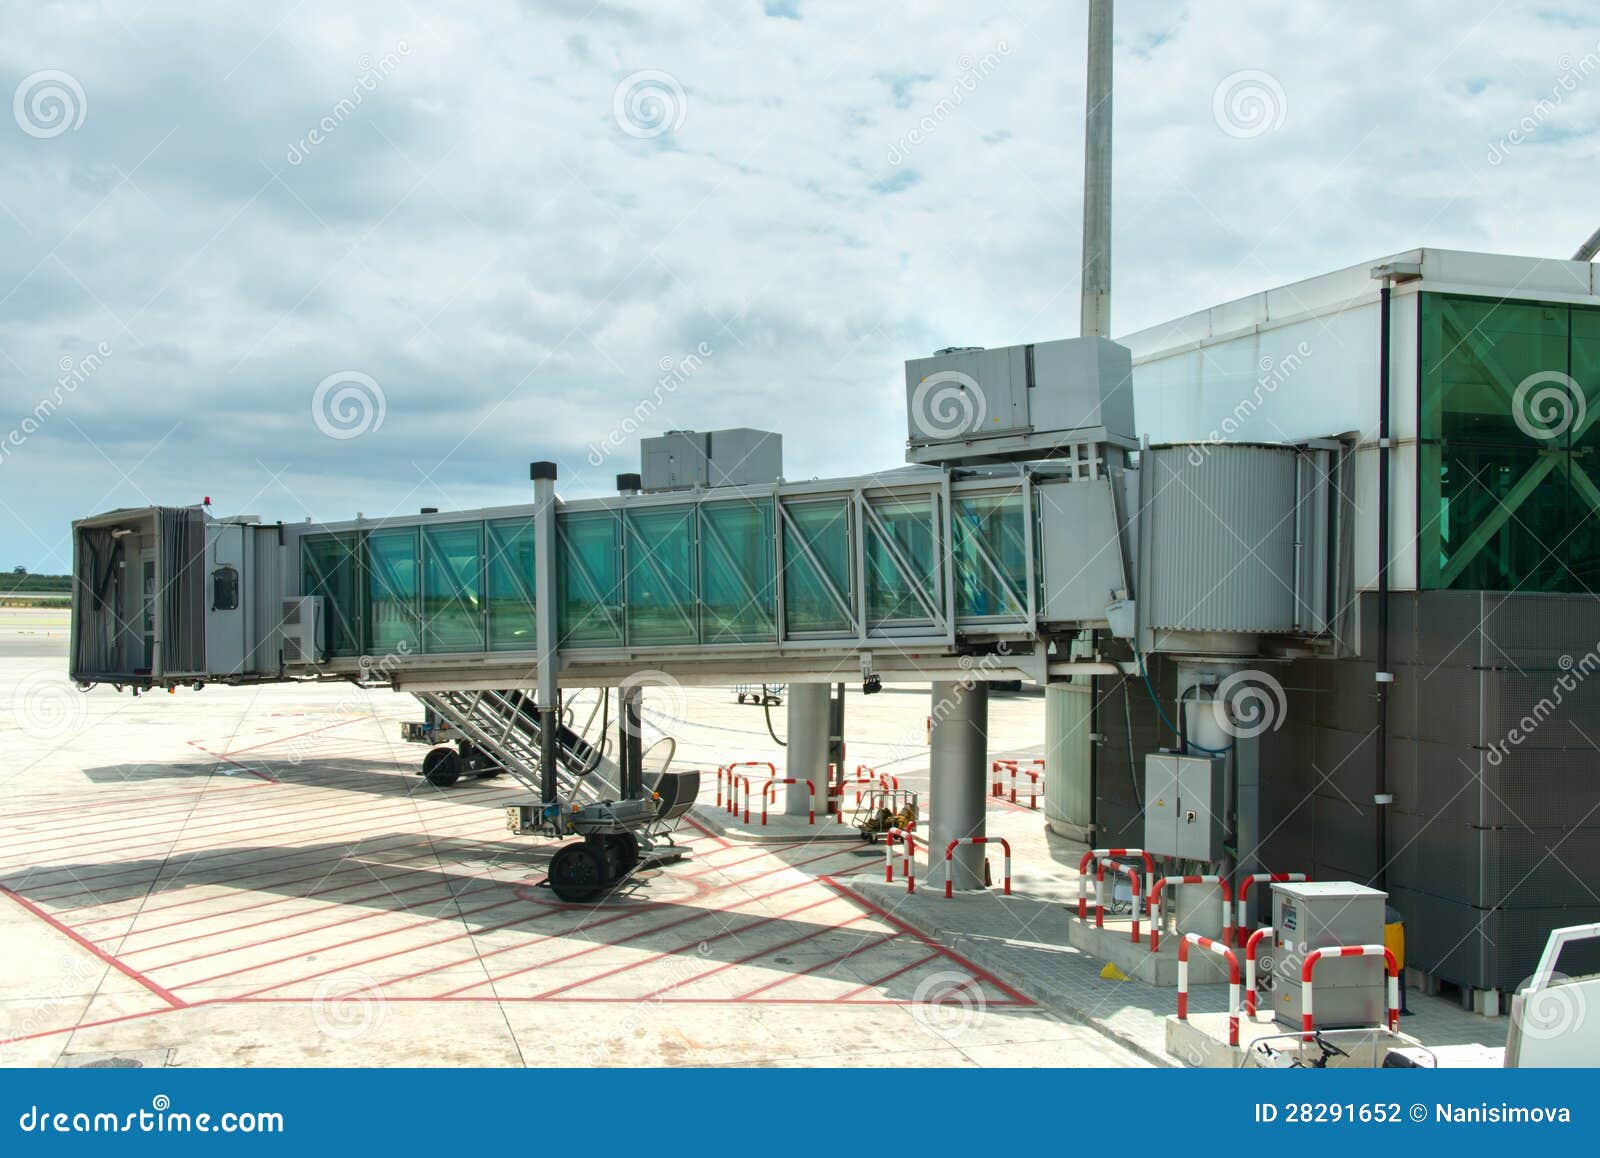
{"x":1094,"y":854}
{"x":1232,"y":958}
{"x":872,"y":778}
{"x":734,"y":780}
{"x":908,"y":863}
{"x":769,"y":793}
{"x":1158,"y":913}
{"x":1132,"y":873}
{"x":1390,"y":965}
{"x":997,"y":769}
{"x":1006,"y":767}
{"x":949,"y":861}
{"x":1241,"y":927}
{"x":1250,"y":966}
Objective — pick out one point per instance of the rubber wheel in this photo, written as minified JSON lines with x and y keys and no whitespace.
{"x":441,"y":767}
{"x":576,"y":874}
{"x":625,"y":849}
{"x":478,"y":762}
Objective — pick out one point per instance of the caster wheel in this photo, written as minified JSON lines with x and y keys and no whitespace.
{"x":625,"y":848}
{"x":441,"y":767}
{"x":577,"y":874}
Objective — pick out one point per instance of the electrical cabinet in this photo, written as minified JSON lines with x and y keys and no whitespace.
{"x":1183,"y":802}
{"x":1307,"y":915}
{"x":686,"y":459}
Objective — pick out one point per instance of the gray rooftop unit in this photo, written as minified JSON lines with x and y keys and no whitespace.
{"x":681,"y":460}
{"x":1018,"y":403}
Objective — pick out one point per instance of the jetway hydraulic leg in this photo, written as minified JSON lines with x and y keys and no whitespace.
{"x":958,"y":755}
{"x":810,"y":720}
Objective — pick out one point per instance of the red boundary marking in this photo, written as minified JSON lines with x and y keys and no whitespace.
{"x":836,"y":959}
{"x":878,"y":910}
{"x":926,"y":959}
{"x":77,"y":939}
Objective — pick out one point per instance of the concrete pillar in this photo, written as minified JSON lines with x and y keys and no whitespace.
{"x":958,"y":756}
{"x":807,"y":753}
{"x":1068,"y":756}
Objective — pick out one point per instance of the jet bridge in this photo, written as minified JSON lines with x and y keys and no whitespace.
{"x":1027,"y":521}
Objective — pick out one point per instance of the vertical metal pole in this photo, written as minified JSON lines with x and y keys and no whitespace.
{"x":958,"y":759}
{"x":807,"y":751}
{"x":543,"y":475}
{"x":1096,"y":286}
{"x":631,"y":746}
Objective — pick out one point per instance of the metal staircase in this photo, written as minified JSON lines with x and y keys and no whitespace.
{"x":504,"y":725}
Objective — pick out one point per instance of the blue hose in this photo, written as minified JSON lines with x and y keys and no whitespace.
{"x":1144,"y":672}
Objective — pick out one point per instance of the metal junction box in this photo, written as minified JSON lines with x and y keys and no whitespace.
{"x":681,"y":460}
{"x":1018,"y":402}
{"x":1183,"y":806}
{"x":1348,"y":991}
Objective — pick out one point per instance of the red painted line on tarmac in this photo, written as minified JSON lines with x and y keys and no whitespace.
{"x":720,"y":840}
{"x":82,"y":942}
{"x":755,"y":924}
{"x":836,"y":960}
{"x":655,"y":994}
{"x":888,"y":977}
{"x":103,"y":1021}
{"x":884,"y":914}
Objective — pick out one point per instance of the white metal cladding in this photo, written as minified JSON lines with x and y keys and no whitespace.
{"x":1220,"y":523}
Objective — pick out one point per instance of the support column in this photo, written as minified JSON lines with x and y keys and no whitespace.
{"x":807,"y":754}
{"x":958,"y":755}
{"x":543,"y":475}
{"x":1069,"y":759}
{"x":630,"y":746}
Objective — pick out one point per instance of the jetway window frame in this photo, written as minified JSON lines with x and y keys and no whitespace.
{"x":589,"y":578}
{"x":393,"y":556}
{"x":451,"y":597}
{"x":660,"y":550}
{"x":510,"y":585}
{"x":732,"y":574}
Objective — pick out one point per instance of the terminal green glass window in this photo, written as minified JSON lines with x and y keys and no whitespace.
{"x":589,"y":573}
{"x":991,"y":556}
{"x":330,"y":568}
{"x":661,"y":604}
{"x":901,"y":562}
{"x":452,"y":587}
{"x":1508,"y":394}
{"x":513,"y":625}
{"x":816,"y":566}
{"x":392,"y":566}
{"x":738,"y":593}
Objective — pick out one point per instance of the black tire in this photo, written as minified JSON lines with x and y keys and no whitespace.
{"x":625,"y":846}
{"x":577,"y":874}
{"x":477,"y":762}
{"x":441,"y":767}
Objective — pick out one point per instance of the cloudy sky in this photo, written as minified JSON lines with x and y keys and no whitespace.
{"x":225,"y":228}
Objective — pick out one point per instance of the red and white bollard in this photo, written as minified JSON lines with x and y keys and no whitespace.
{"x":997,"y":769}
{"x":1132,"y":874}
{"x":1233,"y":980}
{"x":1241,"y":927}
{"x":1307,"y":1018}
{"x":1095,"y":853}
{"x":734,"y":781}
{"x":949,"y":862}
{"x":1250,"y":967}
{"x":769,"y":791}
{"x":1158,"y":914}
{"x":908,"y":864}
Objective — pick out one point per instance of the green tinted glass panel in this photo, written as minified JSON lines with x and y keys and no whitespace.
{"x":392,"y":590}
{"x":661,"y":583}
{"x":991,"y":555}
{"x":452,"y":587}
{"x":738,"y":593}
{"x":591,"y":586}
{"x":329,"y":565}
{"x":817,"y":547}
{"x":901,"y":564}
{"x":1506,"y":402}
{"x":512,"y":623}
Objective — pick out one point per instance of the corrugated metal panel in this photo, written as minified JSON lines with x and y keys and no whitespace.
{"x":1222,"y":530}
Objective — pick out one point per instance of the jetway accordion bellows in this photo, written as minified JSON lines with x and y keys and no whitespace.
{"x":1240,"y":538}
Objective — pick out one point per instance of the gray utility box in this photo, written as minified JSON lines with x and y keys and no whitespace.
{"x":1348,"y":991}
{"x":1016,"y":402}
{"x":681,"y":460}
{"x":1183,"y":806}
